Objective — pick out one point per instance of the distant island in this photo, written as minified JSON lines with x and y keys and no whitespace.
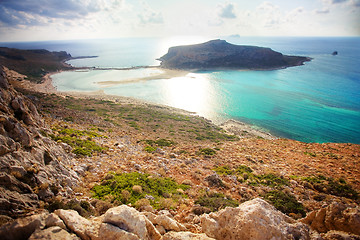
{"x":219,"y":54}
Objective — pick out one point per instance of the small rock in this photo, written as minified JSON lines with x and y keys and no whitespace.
{"x":111,"y":232}
{"x":22,"y":228}
{"x":161,"y":229}
{"x":169,"y":224}
{"x":185,"y":236}
{"x":214,"y":180}
{"x":53,"y":233}
{"x":53,"y":220}
{"x":79,"y":225}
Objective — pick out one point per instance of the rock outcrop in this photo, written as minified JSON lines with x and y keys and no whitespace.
{"x":336,"y":216}
{"x":219,"y":54}
{"x":255,"y":219}
{"x":32,"y":166}
{"x":122,"y":222}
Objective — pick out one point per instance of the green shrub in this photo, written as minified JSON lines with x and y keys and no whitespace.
{"x":243,"y":169}
{"x":160,"y":142}
{"x":223,"y":170}
{"x":207,"y":151}
{"x":216,"y":201}
{"x":337,"y":187}
{"x":75,"y":138}
{"x":285,"y":202}
{"x":149,"y":149}
{"x":121,"y":188}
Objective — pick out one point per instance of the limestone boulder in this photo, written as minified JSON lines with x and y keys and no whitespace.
{"x":130,"y":220}
{"x":256,"y":220}
{"x":169,"y":224}
{"x":22,"y":228}
{"x":111,"y":232}
{"x":185,"y":236}
{"x":82,"y":227}
{"x":52,"y":233}
{"x":336,"y":216}
{"x":53,"y":220}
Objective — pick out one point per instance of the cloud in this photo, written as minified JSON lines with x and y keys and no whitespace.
{"x":149,"y":16}
{"x":31,"y":12}
{"x":355,"y":3}
{"x":227,"y":10}
{"x":338,"y":1}
{"x":322,"y":11}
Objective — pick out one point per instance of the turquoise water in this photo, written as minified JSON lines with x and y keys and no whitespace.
{"x":317,"y":102}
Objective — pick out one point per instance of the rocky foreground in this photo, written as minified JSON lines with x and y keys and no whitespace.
{"x":85,"y":168}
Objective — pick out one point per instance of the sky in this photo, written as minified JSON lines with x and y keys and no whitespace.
{"x":36,"y":20}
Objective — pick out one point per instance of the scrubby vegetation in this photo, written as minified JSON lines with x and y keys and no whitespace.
{"x":208,"y":151}
{"x":285,"y":202}
{"x":337,"y":187}
{"x":245,"y":174}
{"x":80,"y":141}
{"x":131,"y":187}
{"x":215,"y":201}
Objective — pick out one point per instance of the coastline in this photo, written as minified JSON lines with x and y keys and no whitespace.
{"x":242,"y":130}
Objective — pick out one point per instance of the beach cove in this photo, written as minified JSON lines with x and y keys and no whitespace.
{"x":316,"y":102}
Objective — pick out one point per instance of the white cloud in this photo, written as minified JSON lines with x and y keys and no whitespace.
{"x":149,"y":16}
{"x":322,"y":11}
{"x":226,"y":10}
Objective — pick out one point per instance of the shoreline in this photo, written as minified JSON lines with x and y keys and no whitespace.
{"x":232,"y":126}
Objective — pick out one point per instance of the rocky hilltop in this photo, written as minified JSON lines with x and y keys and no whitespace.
{"x":219,"y":54}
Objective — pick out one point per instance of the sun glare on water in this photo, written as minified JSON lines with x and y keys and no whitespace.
{"x":190,"y":93}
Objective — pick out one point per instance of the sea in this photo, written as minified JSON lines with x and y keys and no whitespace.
{"x":316,"y":102}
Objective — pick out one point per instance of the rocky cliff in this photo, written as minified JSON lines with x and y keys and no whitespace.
{"x":219,"y":54}
{"x":32,"y":166}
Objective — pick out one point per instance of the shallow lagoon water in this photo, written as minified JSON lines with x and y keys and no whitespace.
{"x":316,"y":102}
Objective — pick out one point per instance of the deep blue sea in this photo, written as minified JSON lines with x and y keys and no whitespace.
{"x":316,"y":102}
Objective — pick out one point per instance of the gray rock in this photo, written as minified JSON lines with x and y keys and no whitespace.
{"x":256,"y":220}
{"x":111,"y":232}
{"x":82,"y":227}
{"x":130,"y":220}
{"x":185,"y":236}
{"x":52,"y":233}
{"x":22,"y":228}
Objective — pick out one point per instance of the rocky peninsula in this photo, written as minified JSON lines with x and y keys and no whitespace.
{"x":95,"y":167}
{"x":219,"y":54}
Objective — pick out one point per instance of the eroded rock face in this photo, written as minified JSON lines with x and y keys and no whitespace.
{"x":28,"y":159}
{"x":255,"y":219}
{"x":336,"y":216}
